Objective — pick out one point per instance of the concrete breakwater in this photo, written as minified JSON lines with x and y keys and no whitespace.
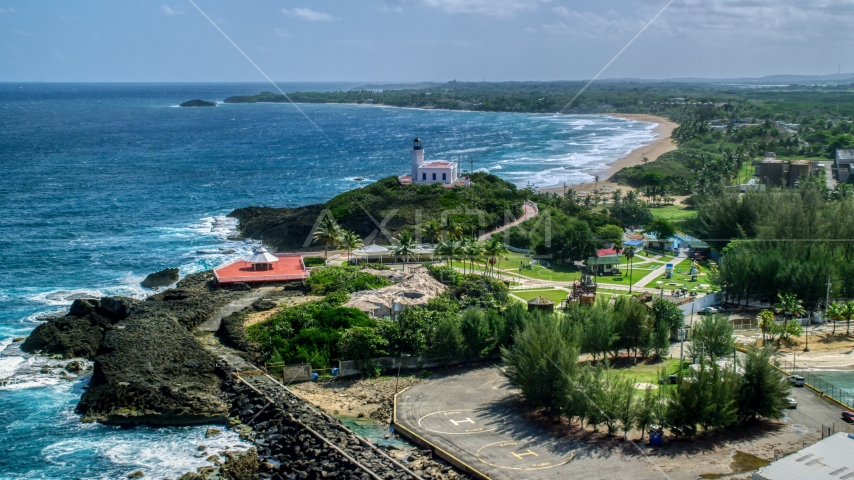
{"x":295,"y":438}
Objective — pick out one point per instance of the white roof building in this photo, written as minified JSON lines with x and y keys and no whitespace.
{"x":438,"y":171}
{"x":831,"y":459}
{"x":261,"y":255}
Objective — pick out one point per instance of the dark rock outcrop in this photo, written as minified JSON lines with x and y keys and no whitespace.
{"x":232,"y":331}
{"x":240,"y":465}
{"x":149,"y":368}
{"x":163,"y":278}
{"x":198,"y":103}
{"x":70,"y":336}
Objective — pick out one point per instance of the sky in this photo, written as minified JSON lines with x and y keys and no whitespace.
{"x":419,"y":40}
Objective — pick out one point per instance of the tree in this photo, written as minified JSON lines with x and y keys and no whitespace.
{"x":598,"y":334}
{"x":328,"y":234}
{"x":629,"y":253}
{"x":668,"y":313}
{"x":350,"y":241}
{"x":835,"y":312}
{"x":662,"y":340}
{"x":763,"y":390}
{"x":645,"y":413}
{"x":404,"y":246}
{"x":663,"y":229}
{"x":711,"y":338}
{"x":788,"y":304}
{"x":767,"y":322}
{"x":610,"y":234}
{"x":848,"y":314}
{"x":543,"y":364}
{"x":476,"y":333}
{"x":447,"y":340}
{"x":361,"y":344}
{"x":433,"y":231}
{"x":493,"y":250}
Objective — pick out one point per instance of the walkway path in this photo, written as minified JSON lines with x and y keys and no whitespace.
{"x":531,"y":211}
{"x":653,"y":275}
{"x":212,"y":325}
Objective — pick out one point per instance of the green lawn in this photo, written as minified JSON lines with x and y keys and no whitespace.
{"x":637,"y":274}
{"x":673,"y":213}
{"x":554,"y":295}
{"x":644,"y":372}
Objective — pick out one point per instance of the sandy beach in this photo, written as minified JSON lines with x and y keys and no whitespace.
{"x":635,"y":157}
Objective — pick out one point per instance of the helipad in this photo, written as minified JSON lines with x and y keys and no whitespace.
{"x":471,"y":420}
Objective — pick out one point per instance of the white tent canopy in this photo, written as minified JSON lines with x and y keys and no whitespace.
{"x":261,"y":255}
{"x":372,"y":249}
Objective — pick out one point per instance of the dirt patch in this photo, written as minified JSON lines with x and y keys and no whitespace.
{"x":369,"y":397}
{"x":822,"y":342}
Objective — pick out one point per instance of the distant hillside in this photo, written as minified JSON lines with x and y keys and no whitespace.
{"x":407,"y":206}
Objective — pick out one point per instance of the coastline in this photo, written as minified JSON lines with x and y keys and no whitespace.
{"x":651,"y":151}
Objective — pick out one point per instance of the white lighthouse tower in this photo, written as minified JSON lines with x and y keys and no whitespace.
{"x":437,"y":171}
{"x":417,"y":157}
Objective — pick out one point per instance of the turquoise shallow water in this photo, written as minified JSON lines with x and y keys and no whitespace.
{"x":104,"y":184}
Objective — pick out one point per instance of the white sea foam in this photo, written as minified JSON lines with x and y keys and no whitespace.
{"x":64,"y":296}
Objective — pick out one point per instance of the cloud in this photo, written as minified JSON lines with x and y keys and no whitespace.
{"x":310,"y":15}
{"x":167,"y":10}
{"x":281,"y":32}
{"x":492,"y":8}
{"x":7,"y":11}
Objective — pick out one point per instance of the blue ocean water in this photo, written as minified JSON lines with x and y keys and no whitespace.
{"x":106,"y":183}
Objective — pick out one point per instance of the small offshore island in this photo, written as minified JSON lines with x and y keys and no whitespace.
{"x":198,"y":103}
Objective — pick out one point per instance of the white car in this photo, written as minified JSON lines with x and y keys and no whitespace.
{"x":708,"y":311}
{"x":792,"y":402}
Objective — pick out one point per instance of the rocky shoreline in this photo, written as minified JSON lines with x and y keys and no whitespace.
{"x":148,"y":367}
{"x":151,"y":365}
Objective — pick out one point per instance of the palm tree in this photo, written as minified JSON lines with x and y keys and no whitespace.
{"x":629,"y":252}
{"x":328,"y":234}
{"x":835,"y":311}
{"x":474,"y":249}
{"x":404,"y":246}
{"x":617,"y":195}
{"x":766,"y":320}
{"x":432,"y":230}
{"x":447,"y":248}
{"x":848,"y":313}
{"x":351,"y":241}
{"x":493,"y":249}
{"x":451,"y":229}
{"x":788,"y":304}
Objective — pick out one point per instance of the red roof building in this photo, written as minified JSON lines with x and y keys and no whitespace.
{"x":263,"y":267}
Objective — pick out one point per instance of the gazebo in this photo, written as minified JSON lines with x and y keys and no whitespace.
{"x":542,"y":304}
{"x":261,"y":259}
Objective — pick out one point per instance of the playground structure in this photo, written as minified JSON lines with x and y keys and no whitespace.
{"x":583,"y":291}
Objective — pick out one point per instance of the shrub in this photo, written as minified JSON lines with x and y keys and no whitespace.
{"x":445,"y":274}
{"x":480,"y":291}
{"x":327,"y":280}
{"x":314,"y":261}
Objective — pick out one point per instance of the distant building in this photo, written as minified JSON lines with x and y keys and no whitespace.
{"x":826,"y":459}
{"x":779,"y":173}
{"x":843,"y":163}
{"x":438,"y":171}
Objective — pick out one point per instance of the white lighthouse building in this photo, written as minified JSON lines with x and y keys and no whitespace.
{"x":438,"y":171}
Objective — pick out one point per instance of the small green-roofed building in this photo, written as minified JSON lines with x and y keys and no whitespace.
{"x":604,"y":265}
{"x":699,"y":248}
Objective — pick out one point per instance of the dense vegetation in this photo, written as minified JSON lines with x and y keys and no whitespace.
{"x":543,"y":363}
{"x":482,"y":206}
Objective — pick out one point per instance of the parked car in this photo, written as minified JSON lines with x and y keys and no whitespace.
{"x":848,"y":417}
{"x":792,"y":402}
{"x":708,"y":311}
{"x":797,"y":380}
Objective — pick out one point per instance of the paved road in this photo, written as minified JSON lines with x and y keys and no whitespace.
{"x":530,"y":211}
{"x":472,"y":415}
{"x":814,"y":411}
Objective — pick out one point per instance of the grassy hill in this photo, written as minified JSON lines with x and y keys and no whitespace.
{"x":482,"y":206}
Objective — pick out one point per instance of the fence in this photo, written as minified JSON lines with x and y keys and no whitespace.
{"x":347,"y":368}
{"x":290,"y":373}
{"x":844,"y":396}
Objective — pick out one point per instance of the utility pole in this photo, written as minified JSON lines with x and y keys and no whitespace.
{"x":471,"y":165}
